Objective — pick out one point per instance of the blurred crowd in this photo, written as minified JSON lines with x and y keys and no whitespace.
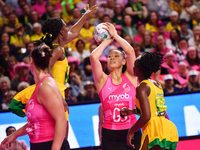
{"x":171,"y":27}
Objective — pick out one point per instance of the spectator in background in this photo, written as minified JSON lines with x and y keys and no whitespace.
{"x":152,"y":23}
{"x":76,"y":13}
{"x":49,"y":11}
{"x":177,"y":5}
{"x":21,"y":71}
{"x":160,"y":45}
{"x":196,"y":18}
{"x":16,"y":144}
{"x":80,"y":53}
{"x":4,"y":88}
{"x":6,"y":10}
{"x":4,"y":55}
{"x":188,"y":9}
{"x":37,"y":29}
{"x":34,"y":17}
{"x":10,"y":26}
{"x":5,"y":38}
{"x":193,"y":60}
{"x":195,"y":40}
{"x":129,"y":27}
{"x":25,"y":17}
{"x":128,"y":38}
{"x":68,"y":98}
{"x":77,"y":85}
{"x":161,"y":31}
{"x":169,"y":87}
{"x":181,"y":51}
{"x":91,"y":94}
{"x":193,"y":81}
{"x":174,"y":16}
{"x":169,"y":66}
{"x":22,"y":85}
{"x":119,"y":16}
{"x":106,"y":18}
{"x":137,"y":48}
{"x":185,"y":32}
{"x":14,"y":4}
{"x":87,"y":64}
{"x":40,"y":7}
{"x":181,"y":78}
{"x":74,"y":66}
{"x":19,"y":9}
{"x":19,"y":39}
{"x":86,"y":33}
{"x":161,"y":7}
{"x":109,"y":8}
{"x":29,"y":48}
{"x":9,"y":72}
{"x":136,"y":10}
{"x":172,"y":43}
{"x":9,"y":96}
{"x":100,"y":15}
{"x":140,"y":28}
{"x":147,"y":41}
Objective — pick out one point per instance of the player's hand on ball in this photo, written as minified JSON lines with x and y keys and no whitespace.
{"x":111,"y":29}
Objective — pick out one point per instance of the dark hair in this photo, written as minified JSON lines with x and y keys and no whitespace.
{"x":149,"y":62}
{"x":9,"y":128}
{"x":2,"y":35}
{"x":196,"y":61}
{"x":81,"y":42}
{"x":50,"y":29}
{"x":132,"y":23}
{"x":3,"y":44}
{"x":178,"y":32}
{"x":41,"y":56}
{"x":150,"y":17}
{"x":28,"y":44}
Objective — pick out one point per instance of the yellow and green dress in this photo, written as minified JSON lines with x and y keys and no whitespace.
{"x":60,"y":72}
{"x":160,"y":131}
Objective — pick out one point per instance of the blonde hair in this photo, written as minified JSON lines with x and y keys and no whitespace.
{"x":4,"y":78}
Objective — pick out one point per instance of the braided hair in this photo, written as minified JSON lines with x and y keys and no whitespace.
{"x":150,"y":62}
{"x":50,"y":29}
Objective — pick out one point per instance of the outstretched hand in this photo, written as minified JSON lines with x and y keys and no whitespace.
{"x":5,"y":143}
{"x":89,"y":11}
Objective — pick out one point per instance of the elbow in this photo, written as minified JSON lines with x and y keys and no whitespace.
{"x":92,"y":57}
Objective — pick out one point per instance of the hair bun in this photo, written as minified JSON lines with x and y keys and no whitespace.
{"x":46,"y":51}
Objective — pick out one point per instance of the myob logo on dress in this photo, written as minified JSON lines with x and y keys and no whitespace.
{"x":117,"y":97}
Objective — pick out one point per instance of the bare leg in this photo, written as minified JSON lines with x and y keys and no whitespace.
{"x":157,"y":147}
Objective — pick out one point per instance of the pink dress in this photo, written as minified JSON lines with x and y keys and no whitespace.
{"x":41,"y":124}
{"x":113,"y":99}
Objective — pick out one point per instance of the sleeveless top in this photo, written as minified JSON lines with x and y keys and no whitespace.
{"x":60,"y":70}
{"x":113,"y":99}
{"x":41,"y":125}
{"x":156,"y":100}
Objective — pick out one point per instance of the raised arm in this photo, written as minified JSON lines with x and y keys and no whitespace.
{"x":53,"y":103}
{"x":98,"y":74}
{"x":76,"y":28}
{"x":125,"y":46}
